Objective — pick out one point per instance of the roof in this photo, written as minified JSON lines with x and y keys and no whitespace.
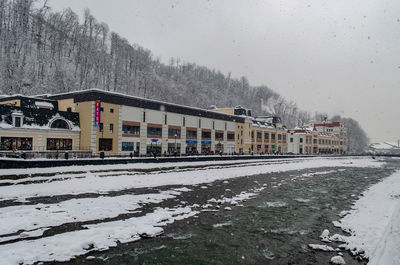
{"x":30,"y":101}
{"x":384,"y":145}
{"x":35,"y":118}
{"x":133,"y":101}
{"x":329,"y":124}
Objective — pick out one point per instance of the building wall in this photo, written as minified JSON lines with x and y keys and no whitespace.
{"x":166,"y":120}
{"x":226,"y":111}
{"x":247,"y":141}
{"x":15,"y":102}
{"x":107,"y":117}
{"x":39,"y":137}
{"x":64,"y":104}
{"x":86,"y":120}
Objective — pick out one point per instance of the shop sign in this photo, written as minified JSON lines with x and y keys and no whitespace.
{"x":154,"y":140}
{"x":191,"y":141}
{"x":97,"y":113}
{"x":205,"y":142}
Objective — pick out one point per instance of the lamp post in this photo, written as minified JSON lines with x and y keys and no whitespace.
{"x":175,"y":144}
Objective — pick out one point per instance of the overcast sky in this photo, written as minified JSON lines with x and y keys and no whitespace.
{"x":335,"y":56}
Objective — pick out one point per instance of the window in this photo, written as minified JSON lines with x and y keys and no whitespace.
{"x":100,"y":127}
{"x":105,"y":144}
{"x":165,"y":119}
{"x":59,"y":144}
{"x":69,"y":109}
{"x":284,"y":137}
{"x":231,"y":136}
{"x":226,"y":126}
{"x":199,"y":123}
{"x":174,"y":132}
{"x":111,"y":110}
{"x":266,"y":136}
{"x":144,"y":116}
{"x":219,"y":136}
{"x":272,"y":136}
{"x":101,"y":109}
{"x":111,"y":128}
{"x":301,"y":140}
{"x":252,"y":135}
{"x":291,"y":139}
{"x":205,"y":135}
{"x":279,"y":137}
{"x":184,"y":121}
{"x":130,"y":129}
{"x":153,"y":131}
{"x":174,"y":147}
{"x":16,"y":143}
{"x":127,"y":146}
{"x":213,"y":125}
{"x":315,"y":141}
{"x":191,"y":134}
{"x":17,"y":122}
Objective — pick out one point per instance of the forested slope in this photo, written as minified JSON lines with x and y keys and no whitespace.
{"x":42,"y":51}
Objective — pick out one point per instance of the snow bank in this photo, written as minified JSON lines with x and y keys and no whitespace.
{"x":93,"y":183}
{"x":63,"y":247}
{"x":14,"y":218}
{"x":374,"y":223}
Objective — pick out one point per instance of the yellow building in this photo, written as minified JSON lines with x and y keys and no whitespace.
{"x":33,"y":124}
{"x":260,"y":135}
{"x":121,"y":124}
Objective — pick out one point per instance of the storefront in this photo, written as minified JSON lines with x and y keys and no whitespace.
{"x":191,"y":146}
{"x":230,"y":148}
{"x":130,"y":147}
{"x":205,"y":147}
{"x":16,"y":143}
{"x":153,"y":147}
{"x":219,"y":148}
{"x":59,"y":144}
{"x":174,"y":147}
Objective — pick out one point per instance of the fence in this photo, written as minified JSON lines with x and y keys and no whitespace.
{"x":57,"y":154}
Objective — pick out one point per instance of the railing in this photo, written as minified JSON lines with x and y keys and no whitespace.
{"x":48,"y":154}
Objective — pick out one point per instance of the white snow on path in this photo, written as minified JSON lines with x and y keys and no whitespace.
{"x":374,"y":223}
{"x":29,"y":171}
{"x":65,"y":246}
{"x":93,"y":183}
{"x":14,"y":218}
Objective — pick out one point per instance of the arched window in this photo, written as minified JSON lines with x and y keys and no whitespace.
{"x":59,"y":124}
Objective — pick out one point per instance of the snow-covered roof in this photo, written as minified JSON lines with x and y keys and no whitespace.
{"x":384,"y":145}
{"x":123,"y":99}
{"x":43,"y":104}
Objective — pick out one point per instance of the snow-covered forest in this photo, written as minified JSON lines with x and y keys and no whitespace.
{"x":42,"y":51}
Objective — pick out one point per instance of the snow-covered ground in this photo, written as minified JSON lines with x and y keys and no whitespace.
{"x":92,"y":182}
{"x":374,"y":223}
{"x":22,"y":226}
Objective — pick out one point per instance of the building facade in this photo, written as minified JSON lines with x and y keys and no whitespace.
{"x":36,"y":124}
{"x":258,"y":135}
{"x":121,"y":124}
{"x":318,"y":138}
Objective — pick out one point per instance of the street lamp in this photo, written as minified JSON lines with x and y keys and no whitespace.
{"x":175,"y":144}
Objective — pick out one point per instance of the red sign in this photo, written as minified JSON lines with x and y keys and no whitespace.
{"x":97,"y":113}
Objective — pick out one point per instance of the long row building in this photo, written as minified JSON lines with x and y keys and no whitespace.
{"x":100,"y":121}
